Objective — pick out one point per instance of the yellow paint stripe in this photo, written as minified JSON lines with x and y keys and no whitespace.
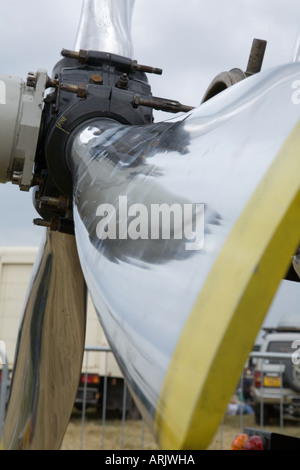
{"x":220,"y":331}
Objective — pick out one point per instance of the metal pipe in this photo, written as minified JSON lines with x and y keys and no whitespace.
{"x":84,"y":400}
{"x":104,"y":400}
{"x":272,"y":355}
{"x":256,"y":56}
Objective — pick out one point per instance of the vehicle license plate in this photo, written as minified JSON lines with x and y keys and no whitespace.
{"x":270,"y":381}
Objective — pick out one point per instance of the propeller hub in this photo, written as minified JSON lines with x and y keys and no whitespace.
{"x":85,"y":85}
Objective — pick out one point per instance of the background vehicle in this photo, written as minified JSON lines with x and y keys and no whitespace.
{"x":277,"y":378}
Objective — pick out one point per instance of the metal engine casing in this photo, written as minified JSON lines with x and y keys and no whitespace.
{"x":104,"y":85}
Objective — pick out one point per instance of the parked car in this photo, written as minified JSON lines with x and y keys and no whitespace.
{"x":277,"y":380}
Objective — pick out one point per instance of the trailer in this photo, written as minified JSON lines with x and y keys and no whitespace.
{"x":101,"y":380}
{"x":15,"y":270}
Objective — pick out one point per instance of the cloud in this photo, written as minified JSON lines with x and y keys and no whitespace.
{"x":17,"y":214}
{"x":192,"y":41}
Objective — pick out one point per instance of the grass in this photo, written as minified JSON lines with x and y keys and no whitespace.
{"x":132,"y":436}
{"x":135,"y":436}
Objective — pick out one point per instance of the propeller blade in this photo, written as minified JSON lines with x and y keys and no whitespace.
{"x":181,"y":313}
{"x":50,"y":350}
{"x":106,"y":26}
{"x":184,"y":230}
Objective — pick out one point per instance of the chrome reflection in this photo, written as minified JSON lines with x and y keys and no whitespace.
{"x":216,"y":155}
{"x":50,"y":349}
{"x":105,"y":25}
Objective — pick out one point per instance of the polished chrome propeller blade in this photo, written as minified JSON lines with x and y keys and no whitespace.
{"x":181,"y":313}
{"x":50,"y":350}
{"x":106,"y":26}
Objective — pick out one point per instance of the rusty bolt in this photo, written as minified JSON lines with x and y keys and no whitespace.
{"x":123,"y":82}
{"x":52,"y":224}
{"x":81,"y":89}
{"x":60,"y":202}
{"x":96,"y":79}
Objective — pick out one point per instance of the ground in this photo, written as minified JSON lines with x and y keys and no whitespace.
{"x":135,"y":436}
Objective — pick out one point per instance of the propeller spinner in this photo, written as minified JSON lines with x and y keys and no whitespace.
{"x":184,"y":229}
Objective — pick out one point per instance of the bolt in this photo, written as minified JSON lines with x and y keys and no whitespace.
{"x":60,"y":202}
{"x":51,"y":82}
{"x":36,"y":180}
{"x":81,"y":56}
{"x":81,"y":89}
{"x":42,"y":223}
{"x":123,"y":81}
{"x":53,"y":224}
{"x":144,"y":68}
{"x":96,"y":79}
{"x":161,"y":104}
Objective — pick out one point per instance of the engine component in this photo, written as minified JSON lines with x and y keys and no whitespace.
{"x":226,"y":79}
{"x":20,"y":121}
{"x":86,"y":85}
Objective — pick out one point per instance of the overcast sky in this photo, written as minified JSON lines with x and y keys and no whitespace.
{"x":192,"y":40}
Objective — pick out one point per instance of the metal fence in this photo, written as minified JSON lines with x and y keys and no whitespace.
{"x":4,"y":388}
{"x":104,"y":392}
{"x":240,"y":392}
